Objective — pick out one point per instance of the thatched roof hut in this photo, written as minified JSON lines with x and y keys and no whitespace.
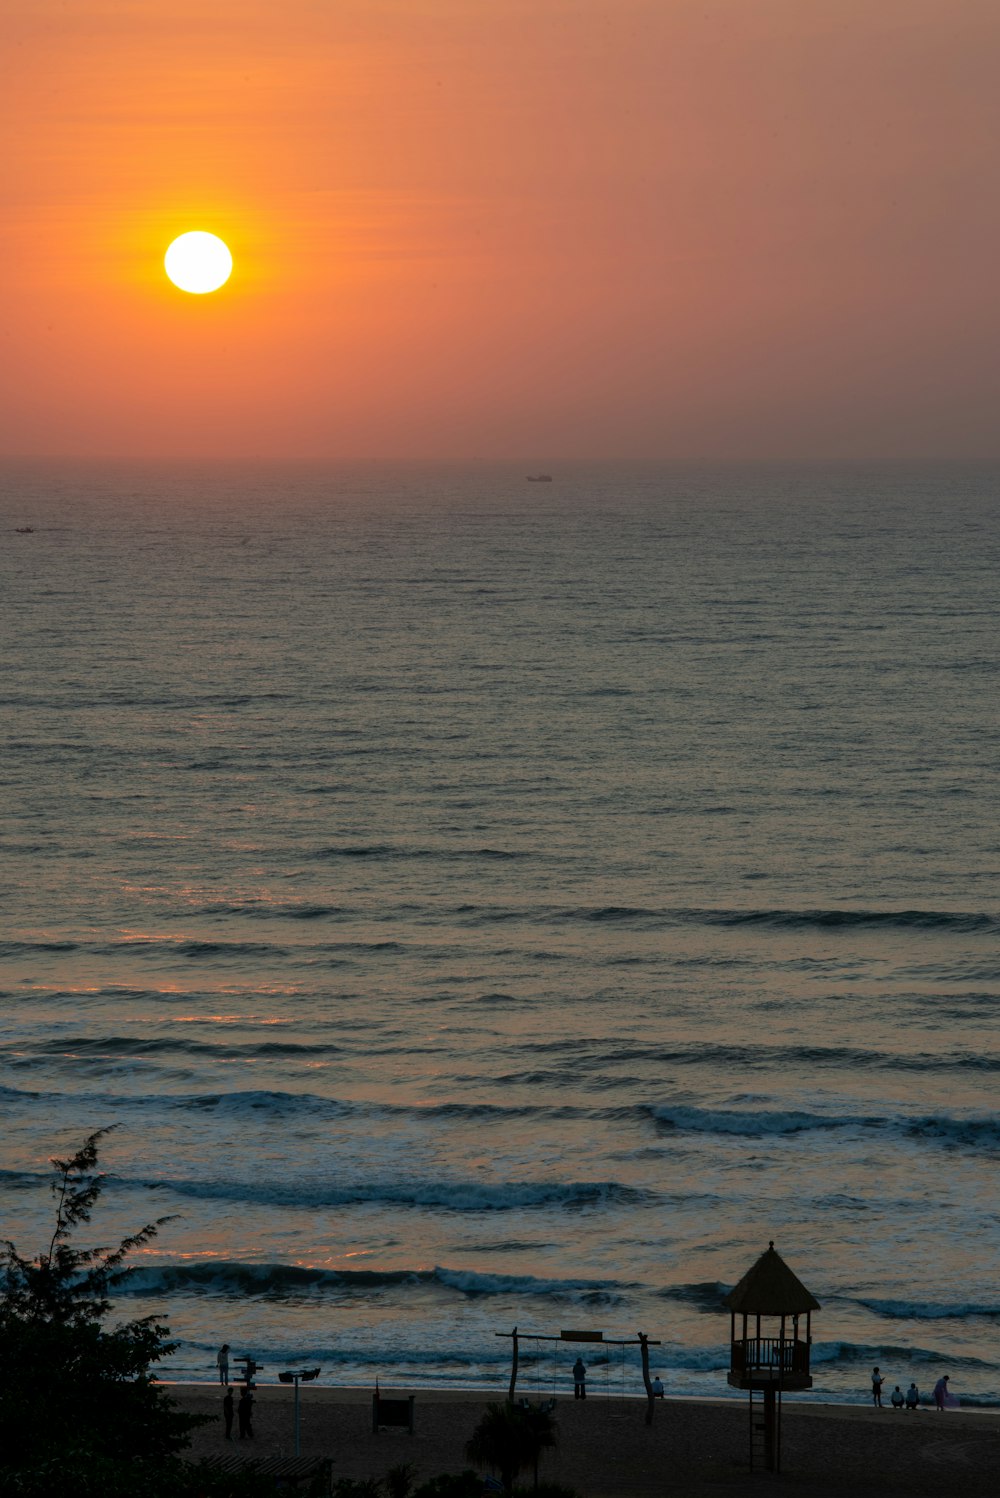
{"x":769,"y":1288}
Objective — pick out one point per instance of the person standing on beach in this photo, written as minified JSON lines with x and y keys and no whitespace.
{"x":579,"y":1379}
{"x":877,"y":1382}
{"x":941,"y":1392}
{"x":912,"y":1397}
{"x":227,"y":1413}
{"x":245,"y":1412}
{"x":222,"y":1363}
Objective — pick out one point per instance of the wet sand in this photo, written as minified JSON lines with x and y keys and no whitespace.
{"x":605,"y":1449}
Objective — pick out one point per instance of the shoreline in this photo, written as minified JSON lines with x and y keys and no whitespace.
{"x":605,"y":1449}
{"x":470,"y":1392}
{"x":431,"y":1393}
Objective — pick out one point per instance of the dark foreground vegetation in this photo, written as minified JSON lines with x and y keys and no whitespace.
{"x":399,"y":1483}
{"x":81,"y":1414}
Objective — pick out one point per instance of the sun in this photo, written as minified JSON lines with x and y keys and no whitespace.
{"x":198,"y":262}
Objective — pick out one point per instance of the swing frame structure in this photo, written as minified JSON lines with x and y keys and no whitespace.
{"x":640,"y":1340}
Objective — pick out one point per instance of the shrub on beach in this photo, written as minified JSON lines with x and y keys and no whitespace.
{"x":399,"y":1480}
{"x":510,"y":1437}
{"x":546,"y":1490}
{"x":467,"y":1484}
{"x":357,"y":1487}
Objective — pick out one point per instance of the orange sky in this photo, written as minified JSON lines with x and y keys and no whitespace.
{"x":535,"y":229}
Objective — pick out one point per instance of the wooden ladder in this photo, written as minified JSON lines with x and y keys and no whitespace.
{"x":758,"y":1438}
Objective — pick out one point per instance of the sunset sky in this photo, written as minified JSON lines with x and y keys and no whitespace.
{"x":527,"y":229}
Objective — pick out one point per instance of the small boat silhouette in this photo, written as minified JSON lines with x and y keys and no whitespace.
{"x":539,"y":478}
{"x":25,"y":530}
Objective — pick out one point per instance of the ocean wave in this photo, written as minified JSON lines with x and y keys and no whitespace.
{"x":979,"y":1133}
{"x":304,"y":1104}
{"x":284,"y":1281}
{"x":279,"y":1281}
{"x":867,"y":1354}
{"x":262,"y":910}
{"x":187,"y":947}
{"x":31,"y":948}
{"x":136,"y":1045}
{"x":447,"y":1196}
{"x":261,"y":1100}
{"x":811,"y":919}
{"x":916,"y":1310}
{"x":280,"y":1104}
{"x":367,"y":1361}
{"x":23,"y":1180}
{"x":716,"y":1054}
{"x":974,"y":1133}
{"x":599,"y":1063}
{"x":643,"y":917}
{"x":474,"y":1284}
{"x":392,"y":851}
{"x":706,"y":1295}
{"x":755,"y":1123}
{"x":211,"y":951}
{"x":850,"y":1360}
{"x":175,"y":946}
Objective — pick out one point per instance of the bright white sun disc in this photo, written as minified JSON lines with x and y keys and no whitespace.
{"x":198,"y":262}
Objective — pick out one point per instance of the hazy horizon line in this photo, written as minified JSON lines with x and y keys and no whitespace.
{"x":527,"y":465}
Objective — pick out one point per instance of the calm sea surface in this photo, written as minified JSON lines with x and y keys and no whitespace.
{"x":485,"y":903}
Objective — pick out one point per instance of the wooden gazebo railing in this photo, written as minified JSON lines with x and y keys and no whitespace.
{"x":760,"y":1355}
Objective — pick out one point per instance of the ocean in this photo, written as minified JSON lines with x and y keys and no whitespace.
{"x":481,"y":903}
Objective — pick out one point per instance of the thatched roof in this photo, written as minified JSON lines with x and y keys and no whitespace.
{"x":770,"y":1288}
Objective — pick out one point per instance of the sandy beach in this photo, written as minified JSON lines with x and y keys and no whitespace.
{"x":605,"y":1449}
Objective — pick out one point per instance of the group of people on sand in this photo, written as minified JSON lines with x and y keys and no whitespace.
{"x":243,"y":1411}
{"x":943,"y":1397}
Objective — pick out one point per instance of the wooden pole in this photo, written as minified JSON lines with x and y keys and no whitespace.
{"x":769,"y":1428}
{"x":644,"y":1354}
{"x":750,"y":1391}
{"x":513,"y":1366}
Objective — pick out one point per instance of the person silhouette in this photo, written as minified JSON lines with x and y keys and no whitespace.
{"x":912,"y":1397}
{"x":227,"y":1413}
{"x":897,"y":1398}
{"x":245,"y":1412}
{"x":579,"y":1379}
{"x":222,"y":1363}
{"x":877,"y":1382}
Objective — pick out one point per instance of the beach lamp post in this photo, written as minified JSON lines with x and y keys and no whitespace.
{"x":299,"y":1375}
{"x":769,"y":1349}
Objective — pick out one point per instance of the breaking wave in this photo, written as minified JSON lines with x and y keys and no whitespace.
{"x":975,"y":1133}
{"x":284,"y":1281}
{"x":448,"y":1196}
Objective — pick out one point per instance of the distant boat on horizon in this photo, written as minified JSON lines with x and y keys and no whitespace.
{"x":539,"y":478}
{"x":24,"y":530}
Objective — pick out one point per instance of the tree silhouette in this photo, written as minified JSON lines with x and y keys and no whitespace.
{"x":81,"y":1415}
{"x":509,"y":1437}
{"x":69,"y":1286}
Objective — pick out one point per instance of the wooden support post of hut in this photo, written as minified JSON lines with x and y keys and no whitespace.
{"x":771,"y":1359}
